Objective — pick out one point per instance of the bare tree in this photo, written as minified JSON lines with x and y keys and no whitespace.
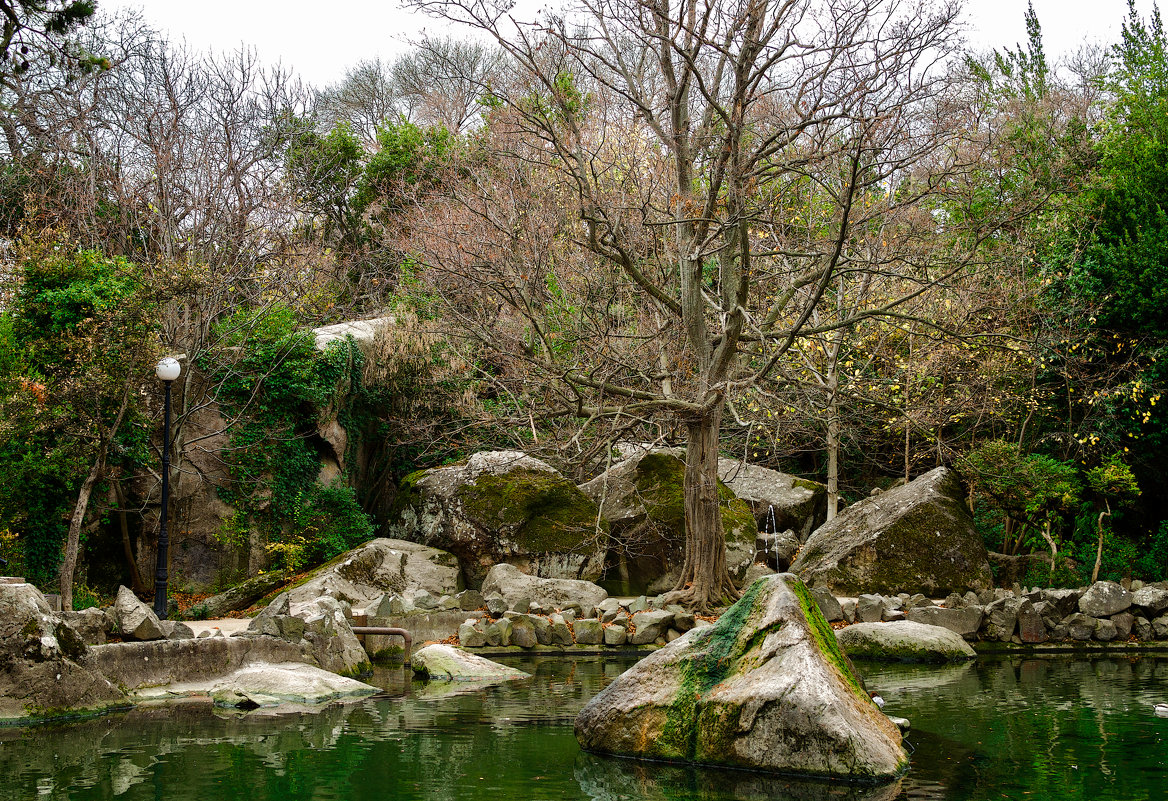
{"x":678,"y":130}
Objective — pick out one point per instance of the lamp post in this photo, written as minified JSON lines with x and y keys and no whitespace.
{"x":167,"y":371}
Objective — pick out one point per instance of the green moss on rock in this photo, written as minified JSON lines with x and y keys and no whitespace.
{"x":825,"y":637}
{"x":660,"y":483}
{"x":540,"y":511}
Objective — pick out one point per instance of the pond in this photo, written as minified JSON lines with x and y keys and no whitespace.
{"x":1035,"y":728}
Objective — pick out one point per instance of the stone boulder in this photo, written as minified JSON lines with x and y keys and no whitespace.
{"x":93,"y":625}
{"x":503,"y":506}
{"x":43,"y":669}
{"x":382,"y":566}
{"x":438,"y":662}
{"x":642,"y":499}
{"x":134,"y":619}
{"x":904,"y":641}
{"x":779,"y":501}
{"x":1104,"y":598}
{"x":513,"y":586}
{"x":766,"y":687}
{"x":918,"y":537}
{"x":334,"y":645}
{"x":284,"y":683}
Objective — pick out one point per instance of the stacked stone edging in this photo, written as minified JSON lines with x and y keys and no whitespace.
{"x":1103,"y":615}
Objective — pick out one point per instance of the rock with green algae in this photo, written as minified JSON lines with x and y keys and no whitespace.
{"x":918,"y":537}
{"x":502,"y":506}
{"x":438,"y":662}
{"x":904,"y":641}
{"x":643,"y":500}
{"x":766,"y":687}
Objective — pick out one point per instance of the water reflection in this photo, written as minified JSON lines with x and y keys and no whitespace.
{"x":611,"y":779}
{"x":1014,"y":728}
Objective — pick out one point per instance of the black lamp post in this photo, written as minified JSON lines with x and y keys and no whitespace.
{"x":167,"y":370}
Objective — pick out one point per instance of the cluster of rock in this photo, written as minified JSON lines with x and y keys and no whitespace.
{"x":529,"y":611}
{"x":65,"y":664}
{"x":1103,"y":612}
{"x":627,"y":525}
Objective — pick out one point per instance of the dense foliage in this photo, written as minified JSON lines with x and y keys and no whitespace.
{"x":963,"y":268}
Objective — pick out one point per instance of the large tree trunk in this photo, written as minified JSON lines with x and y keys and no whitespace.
{"x":72,"y":542}
{"x":705,"y":582}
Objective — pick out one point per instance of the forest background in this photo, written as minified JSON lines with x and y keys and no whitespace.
{"x":853,"y":260}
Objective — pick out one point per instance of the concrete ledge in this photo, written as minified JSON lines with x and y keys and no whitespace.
{"x":133,"y":665}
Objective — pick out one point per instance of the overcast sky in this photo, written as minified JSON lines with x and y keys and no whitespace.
{"x":325,"y":39}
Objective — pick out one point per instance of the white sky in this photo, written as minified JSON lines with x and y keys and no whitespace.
{"x":322,"y":40}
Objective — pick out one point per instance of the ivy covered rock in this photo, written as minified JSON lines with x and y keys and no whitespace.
{"x":779,"y":501}
{"x":43,"y":674}
{"x":503,"y":506}
{"x":918,"y":537}
{"x":766,"y":687}
{"x":643,"y":500}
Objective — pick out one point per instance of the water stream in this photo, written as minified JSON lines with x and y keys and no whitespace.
{"x":1001,"y":728}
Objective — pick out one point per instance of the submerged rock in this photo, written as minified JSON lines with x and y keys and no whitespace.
{"x":439,"y":662}
{"x":289,"y":682}
{"x":502,"y":506}
{"x":904,"y":641}
{"x":766,"y":687}
{"x":918,"y":537}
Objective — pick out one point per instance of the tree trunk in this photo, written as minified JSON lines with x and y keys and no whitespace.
{"x":833,"y":431}
{"x":119,"y":498}
{"x":1099,"y":550}
{"x":72,"y":542}
{"x":705,"y":582}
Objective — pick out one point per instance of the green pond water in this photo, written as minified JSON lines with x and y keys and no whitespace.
{"x":1035,"y":728}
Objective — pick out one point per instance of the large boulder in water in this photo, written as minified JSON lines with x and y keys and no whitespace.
{"x":43,"y":673}
{"x":918,"y":537}
{"x":503,"y":506}
{"x":904,"y":641}
{"x":766,"y":687}
{"x":643,"y":500}
{"x":779,"y":501}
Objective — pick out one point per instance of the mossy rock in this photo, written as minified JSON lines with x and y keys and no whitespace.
{"x":503,"y":506}
{"x":766,"y":687}
{"x":918,"y":537}
{"x":645,"y":499}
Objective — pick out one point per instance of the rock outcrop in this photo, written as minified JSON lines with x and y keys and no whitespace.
{"x":643,"y":501}
{"x":380,"y":567}
{"x":904,"y":641}
{"x":502,"y":506}
{"x":918,"y":537}
{"x":439,"y":662}
{"x":766,"y":687}
{"x":43,"y":670}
